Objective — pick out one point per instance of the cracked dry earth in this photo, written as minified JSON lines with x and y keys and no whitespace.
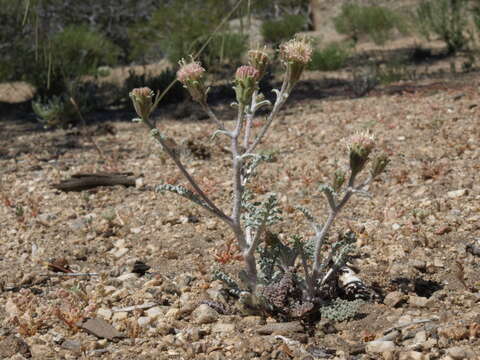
{"x":418,"y":236}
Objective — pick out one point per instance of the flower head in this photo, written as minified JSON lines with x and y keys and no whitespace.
{"x":188,"y":72}
{"x":246,"y":78}
{"x":360,"y":146}
{"x":259,"y":60}
{"x":191,"y":76}
{"x":296,"y":50}
{"x":142,"y":101}
{"x":295,"y":54}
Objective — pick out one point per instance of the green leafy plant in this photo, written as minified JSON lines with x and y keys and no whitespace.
{"x":374,"y":22}
{"x":330,"y":58}
{"x":447,"y":19}
{"x":284,"y":279}
{"x":52,"y":112}
{"x":276,"y":31}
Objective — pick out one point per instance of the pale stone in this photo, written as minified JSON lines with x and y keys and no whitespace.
{"x":173,"y":313}
{"x":204,"y":314}
{"x":154,"y":312}
{"x":380,"y":346}
{"x":457,"y":193}
{"x":127,"y":276}
{"x":104,"y":313}
{"x":223,"y":328}
{"x":419,"y":301}
{"x":119,"y":316}
{"x":144,"y":321}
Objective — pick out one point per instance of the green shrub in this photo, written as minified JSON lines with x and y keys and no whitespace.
{"x":330,"y":58}
{"x":447,"y":19}
{"x":78,"y":51}
{"x":225,"y":48}
{"x":182,"y":26}
{"x":276,"y":31}
{"x":374,"y":22}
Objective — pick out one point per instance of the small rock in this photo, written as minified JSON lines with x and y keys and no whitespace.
{"x":419,"y":264}
{"x":100,"y":328}
{"x":104,"y":313}
{"x":252,"y":320}
{"x":457,"y":193}
{"x":285,"y":328}
{"x":144,"y":321}
{"x":379,"y":347}
{"x":120,"y":316}
{"x":127,"y":277}
{"x":457,"y":352}
{"x":174,"y":313}
{"x":154,"y":312}
{"x":12,"y":345}
{"x":395,"y":299}
{"x":223,"y":328}
{"x":136,"y":230}
{"x":413,"y":355}
{"x":204,"y":314}
{"x":117,"y":254}
{"x":72,"y":345}
{"x":419,"y":301}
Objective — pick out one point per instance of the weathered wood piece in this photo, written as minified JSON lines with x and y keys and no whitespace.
{"x":80,"y":182}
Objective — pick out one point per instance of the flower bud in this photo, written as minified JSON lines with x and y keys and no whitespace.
{"x":259,"y":60}
{"x":191,"y":76}
{"x":295,"y":54}
{"x":360,"y":146}
{"x":246,"y":79}
{"x":142,"y":101}
{"x":338,"y":180}
{"x":379,"y":164}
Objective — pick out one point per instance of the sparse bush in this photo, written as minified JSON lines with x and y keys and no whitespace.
{"x":287,"y":279}
{"x":364,"y":80}
{"x":276,"y":31}
{"x":447,"y":19}
{"x":374,"y":22}
{"x":55,"y":111}
{"x":332,"y":57}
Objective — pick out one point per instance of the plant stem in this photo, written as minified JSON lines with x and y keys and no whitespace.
{"x":282,"y":96}
{"x":211,"y":206}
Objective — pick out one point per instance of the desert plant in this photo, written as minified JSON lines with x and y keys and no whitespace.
{"x":52,"y":112}
{"x":375,"y":22}
{"x":447,"y":19}
{"x":276,"y":31}
{"x":225,"y":48}
{"x":272,"y":281}
{"x":330,"y":58}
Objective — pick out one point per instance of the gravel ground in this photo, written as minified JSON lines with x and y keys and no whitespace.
{"x":418,"y":236}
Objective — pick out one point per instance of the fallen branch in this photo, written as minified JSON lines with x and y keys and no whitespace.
{"x":79,"y":182}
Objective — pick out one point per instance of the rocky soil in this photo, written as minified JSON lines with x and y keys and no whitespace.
{"x":418,"y":236}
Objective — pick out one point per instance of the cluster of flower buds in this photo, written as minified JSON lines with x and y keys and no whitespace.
{"x":191,"y":75}
{"x":142,"y":101}
{"x":296,"y":54}
{"x":360,"y":146}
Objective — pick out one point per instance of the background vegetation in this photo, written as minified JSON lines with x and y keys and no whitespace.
{"x":64,"y":47}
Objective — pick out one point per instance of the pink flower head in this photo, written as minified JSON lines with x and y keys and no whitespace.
{"x":189,"y":72}
{"x":246,"y":72}
{"x":296,"y":51}
{"x":142,"y":101}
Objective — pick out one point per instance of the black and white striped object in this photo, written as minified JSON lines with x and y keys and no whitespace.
{"x":353,"y":287}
